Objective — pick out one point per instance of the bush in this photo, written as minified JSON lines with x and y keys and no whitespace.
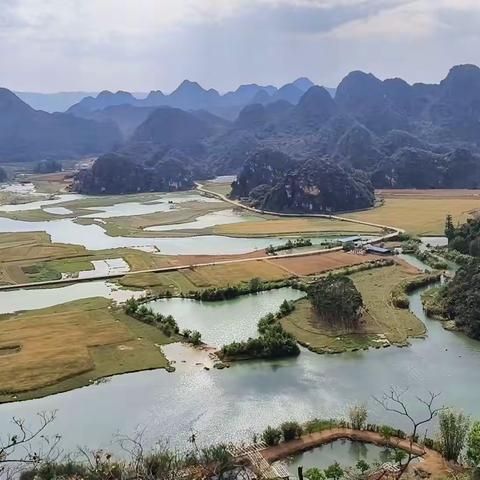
{"x":271,"y":436}
{"x":290,"y":430}
{"x":273,"y":342}
{"x":358,"y":416}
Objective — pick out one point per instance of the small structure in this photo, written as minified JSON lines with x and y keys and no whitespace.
{"x":252,"y":455}
{"x":350,"y":239}
{"x":377,"y":250}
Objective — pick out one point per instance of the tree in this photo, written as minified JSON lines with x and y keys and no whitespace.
{"x":290,"y":430}
{"x":336,"y":300}
{"x":18,"y":451}
{"x":473,"y":445}
{"x":399,"y":456}
{"x":363,"y":466}
{"x":335,"y":471}
{"x":449,"y":228}
{"x":454,"y":429}
{"x":394,"y":402}
{"x":315,"y":474}
{"x":271,"y":436}
{"x":255,"y":284}
{"x":358,"y":415}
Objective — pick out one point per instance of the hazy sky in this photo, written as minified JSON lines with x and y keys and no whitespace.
{"x":139,"y":45}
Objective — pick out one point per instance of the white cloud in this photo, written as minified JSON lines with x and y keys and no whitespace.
{"x":145,"y":44}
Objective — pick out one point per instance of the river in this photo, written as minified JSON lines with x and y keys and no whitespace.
{"x":233,"y":404}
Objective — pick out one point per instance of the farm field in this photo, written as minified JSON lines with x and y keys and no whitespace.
{"x":319,"y":263}
{"x":421,"y":212}
{"x":223,"y":188}
{"x":191,"y":279}
{"x":382,"y":324}
{"x":268,"y":225}
{"x":71,"y":345}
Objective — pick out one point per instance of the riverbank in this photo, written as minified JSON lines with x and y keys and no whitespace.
{"x":72,"y":345}
{"x":432,"y":462}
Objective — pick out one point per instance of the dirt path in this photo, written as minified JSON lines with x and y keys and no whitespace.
{"x":432,"y":462}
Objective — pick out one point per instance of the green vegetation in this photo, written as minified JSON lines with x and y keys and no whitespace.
{"x":473,"y":445}
{"x":380,"y":325}
{"x":166,"y":324}
{"x":336,"y":301}
{"x":459,"y":300}
{"x":291,"y":430}
{"x":273,"y":341}
{"x":299,"y":242}
{"x":255,"y":285}
{"x":159,"y":463}
{"x":358,"y":415}
{"x":271,"y":436}
{"x":465,"y":238}
{"x":454,"y":428}
{"x":399,"y":294}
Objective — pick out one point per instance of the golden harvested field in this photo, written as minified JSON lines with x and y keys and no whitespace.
{"x":321,"y":262}
{"x":72,"y":344}
{"x":422,"y":212}
{"x":382,"y":324}
{"x":190,"y":279}
{"x":233,"y":273}
{"x":292,"y":226}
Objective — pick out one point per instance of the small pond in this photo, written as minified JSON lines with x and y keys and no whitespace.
{"x":224,"y":321}
{"x":346,"y":452}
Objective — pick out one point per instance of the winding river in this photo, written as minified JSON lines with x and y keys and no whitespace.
{"x":232,"y":404}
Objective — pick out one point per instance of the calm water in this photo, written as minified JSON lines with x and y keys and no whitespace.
{"x":233,"y":404}
{"x":93,"y":237}
{"x":223,"y":217}
{"x":33,"y":298}
{"x":228,"y":321}
{"x":345,"y":452}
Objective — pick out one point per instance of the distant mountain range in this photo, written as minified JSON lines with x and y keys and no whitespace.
{"x":58,"y":101}
{"x":370,"y":134}
{"x":28,"y":134}
{"x":184,"y":97}
{"x":191,"y":96}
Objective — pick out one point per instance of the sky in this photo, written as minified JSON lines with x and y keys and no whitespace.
{"x":143,"y":45}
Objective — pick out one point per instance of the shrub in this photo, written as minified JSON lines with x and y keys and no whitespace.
{"x":358,"y":416}
{"x":454,"y":429}
{"x":290,"y":430}
{"x":271,"y":436}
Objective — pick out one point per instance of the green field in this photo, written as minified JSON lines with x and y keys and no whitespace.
{"x":381,"y":324}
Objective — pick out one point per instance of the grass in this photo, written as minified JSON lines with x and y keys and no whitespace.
{"x":287,"y":226}
{"x":422,"y":212}
{"x":223,"y":188}
{"x":19,"y":252}
{"x":382,"y":324}
{"x":71,"y":345}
